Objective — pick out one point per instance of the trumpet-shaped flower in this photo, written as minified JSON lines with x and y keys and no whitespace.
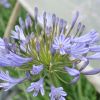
{"x":18,"y":33}
{"x":13,"y":60}
{"x":77,"y":51}
{"x":48,"y":19}
{"x":57,"y":93}
{"x":36,"y":69}
{"x":9,"y":81}
{"x":90,"y":37}
{"x":36,"y":87}
{"x":61,"y":43}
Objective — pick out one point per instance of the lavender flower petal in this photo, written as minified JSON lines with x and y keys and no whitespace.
{"x":73,"y":22}
{"x":18,"y":33}
{"x":57,"y":93}
{"x":36,"y":69}
{"x":22,"y":23}
{"x":36,"y":87}
{"x":48,"y":18}
{"x":37,"y":46}
{"x":75,"y":80}
{"x":78,"y":50}
{"x":10,"y":81}
{"x":95,"y":48}
{"x":13,"y":60}
{"x":90,"y":37}
{"x":91,"y":72}
{"x":72,"y":71}
{"x":28,"y":22}
{"x":61,"y":43}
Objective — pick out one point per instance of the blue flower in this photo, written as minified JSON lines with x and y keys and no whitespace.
{"x":8,"y":57}
{"x":62,"y":25}
{"x":18,"y":33}
{"x":36,"y":87}
{"x":36,"y":69}
{"x":48,"y":18}
{"x":89,"y":38}
{"x":95,"y":48}
{"x":76,"y":73}
{"x":61,"y":43}
{"x":72,"y":71}
{"x":57,"y":93}
{"x":21,"y":23}
{"x":78,"y":50}
{"x":28,"y":22}
{"x":9,"y":81}
{"x":12,"y":59}
{"x":37,"y":45}
{"x":5,"y":3}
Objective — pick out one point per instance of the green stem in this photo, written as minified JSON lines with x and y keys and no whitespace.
{"x":60,"y":71}
{"x":26,"y":94}
{"x":80,"y":90}
{"x":61,"y":79}
{"x":23,"y":88}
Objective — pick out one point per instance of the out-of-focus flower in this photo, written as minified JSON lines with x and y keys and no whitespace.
{"x":28,"y":22}
{"x":22,"y":23}
{"x":57,"y":93}
{"x":48,"y":19}
{"x":36,"y":87}
{"x":9,"y":81}
{"x":5,"y":3}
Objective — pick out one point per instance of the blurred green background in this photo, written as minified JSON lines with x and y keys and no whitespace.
{"x":83,"y":90}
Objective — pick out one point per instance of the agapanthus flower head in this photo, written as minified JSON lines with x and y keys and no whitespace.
{"x":42,"y":48}
{"x":57,"y":93}
{"x":36,"y":87}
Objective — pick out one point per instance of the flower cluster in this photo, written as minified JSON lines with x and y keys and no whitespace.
{"x":44,"y":47}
